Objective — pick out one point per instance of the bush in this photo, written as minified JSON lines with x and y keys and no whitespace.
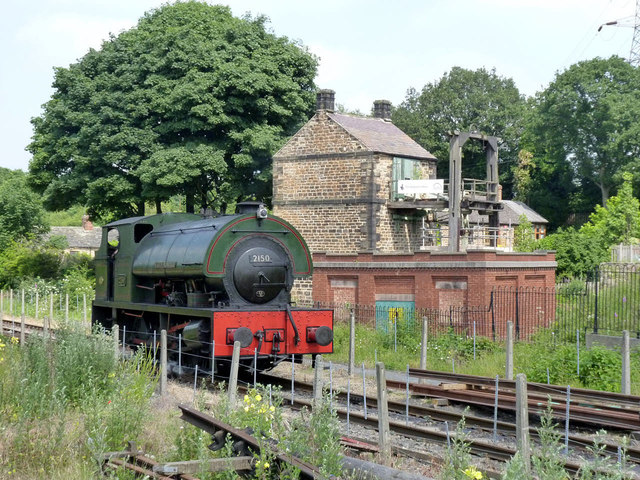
{"x":601,"y":369}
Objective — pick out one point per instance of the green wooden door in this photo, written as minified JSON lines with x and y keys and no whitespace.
{"x":389,"y":312}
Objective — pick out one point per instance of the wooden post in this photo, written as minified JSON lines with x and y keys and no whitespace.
{"x":317,"y":380}
{"x":163,"y":362}
{"x":423,"y":350}
{"x":522,"y":420}
{"x":626,"y":364}
{"x":37,"y":304}
{"x":22,"y":320}
{"x":352,"y":343}
{"x":51,"y":309}
{"x":509,"y":369}
{"x":115,"y":332}
{"x":11,"y":303}
{"x":66,"y":308}
{"x":233,"y":375}
{"x":1,"y":311}
{"x":84,"y":313}
{"x":384,"y":438}
{"x":45,"y":324}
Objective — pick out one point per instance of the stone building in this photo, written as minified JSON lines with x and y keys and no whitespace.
{"x":84,"y":239}
{"x":335,"y":176}
{"x":337,"y":181}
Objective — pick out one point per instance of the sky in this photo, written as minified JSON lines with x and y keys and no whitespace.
{"x":368,"y":49}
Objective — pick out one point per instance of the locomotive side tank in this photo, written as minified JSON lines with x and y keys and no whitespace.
{"x":209,"y":281}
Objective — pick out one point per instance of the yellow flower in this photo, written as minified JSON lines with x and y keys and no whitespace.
{"x":246,"y":409}
{"x":246,"y":398}
{"x":472,"y":472}
{"x":2,"y":345}
{"x":272,"y":408}
{"x":258,"y":398}
{"x":15,"y":340}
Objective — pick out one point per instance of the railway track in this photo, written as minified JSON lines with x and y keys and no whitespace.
{"x":581,"y":442}
{"x":587,"y":407}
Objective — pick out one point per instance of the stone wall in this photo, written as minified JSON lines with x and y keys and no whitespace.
{"x":335,"y":192}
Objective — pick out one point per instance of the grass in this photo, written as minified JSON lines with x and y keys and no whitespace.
{"x":600,"y":369}
{"x":63,"y":401}
{"x":66,"y":401}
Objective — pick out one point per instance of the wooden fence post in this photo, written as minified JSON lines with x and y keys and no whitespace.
{"x":317,"y":380}
{"x":22,"y":320}
{"x":384,"y":438}
{"x":115,"y":332}
{"x":423,"y":349}
{"x":522,"y":420}
{"x":352,"y":343}
{"x":233,"y":375}
{"x":625,"y":386}
{"x":163,"y":362}
{"x":509,"y":363}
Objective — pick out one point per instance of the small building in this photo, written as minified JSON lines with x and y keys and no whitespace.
{"x":80,"y":240}
{"x":337,"y":180}
{"x":334,"y":178}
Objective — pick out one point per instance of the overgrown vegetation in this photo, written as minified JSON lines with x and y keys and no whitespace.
{"x":66,"y":400}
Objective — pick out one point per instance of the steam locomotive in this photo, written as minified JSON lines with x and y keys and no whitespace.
{"x":209,"y":282}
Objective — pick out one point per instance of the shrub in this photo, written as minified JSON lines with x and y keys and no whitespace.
{"x":600,"y":369}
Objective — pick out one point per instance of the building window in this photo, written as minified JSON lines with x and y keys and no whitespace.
{"x":404,"y":169}
{"x":540,"y":231}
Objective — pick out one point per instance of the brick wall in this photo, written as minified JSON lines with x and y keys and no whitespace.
{"x":435,"y":280}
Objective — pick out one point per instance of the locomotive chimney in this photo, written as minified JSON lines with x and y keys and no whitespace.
{"x":251,"y":207}
{"x":382,"y":109}
{"x":325,"y":100}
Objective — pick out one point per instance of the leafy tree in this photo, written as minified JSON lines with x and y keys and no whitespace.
{"x":21,"y":211}
{"x":577,"y":254}
{"x":28,"y":259}
{"x":466,"y":100}
{"x":524,"y":239}
{"x":619,"y":222}
{"x":584,"y":132}
{"x":579,"y":251}
{"x":192,"y":101}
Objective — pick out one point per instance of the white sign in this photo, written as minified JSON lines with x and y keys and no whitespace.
{"x":413,"y":188}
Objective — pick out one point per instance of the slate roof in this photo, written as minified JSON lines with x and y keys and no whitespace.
{"x":381,"y":136}
{"x":509,"y":215}
{"x":78,"y":237}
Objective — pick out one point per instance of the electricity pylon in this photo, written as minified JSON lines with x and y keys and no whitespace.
{"x":634,"y":55}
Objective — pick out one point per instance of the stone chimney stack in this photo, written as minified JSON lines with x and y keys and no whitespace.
{"x":325,"y":100}
{"x":86,"y":223}
{"x":382,"y":109}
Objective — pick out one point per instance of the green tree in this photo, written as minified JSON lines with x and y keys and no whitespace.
{"x":577,"y":253}
{"x":524,"y":239}
{"x":466,"y":100}
{"x":192,"y":101}
{"x":584,"y":132}
{"x":619,"y":222}
{"x":21,"y":211}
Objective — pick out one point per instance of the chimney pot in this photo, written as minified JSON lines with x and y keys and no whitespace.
{"x":325,"y":100}
{"x":382,"y":109}
{"x":86,"y":223}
